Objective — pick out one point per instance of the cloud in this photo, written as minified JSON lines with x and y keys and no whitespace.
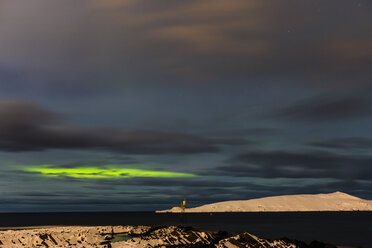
{"x":16,"y":114}
{"x":186,"y":40}
{"x":26,"y":126}
{"x":327,"y":108}
{"x":190,"y":182}
{"x":293,"y":164}
{"x":259,"y":131}
{"x":349,"y":143}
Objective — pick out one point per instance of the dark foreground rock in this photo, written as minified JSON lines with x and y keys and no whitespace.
{"x":187,"y":237}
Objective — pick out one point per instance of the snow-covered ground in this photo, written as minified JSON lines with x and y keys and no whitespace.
{"x":337,"y":201}
{"x":68,"y":236}
{"x":139,"y":237}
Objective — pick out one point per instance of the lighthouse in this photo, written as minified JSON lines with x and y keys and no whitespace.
{"x":183,"y":205}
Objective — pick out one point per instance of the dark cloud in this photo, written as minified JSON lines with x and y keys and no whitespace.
{"x":353,"y":143}
{"x":27,"y":127}
{"x":199,"y":183}
{"x":259,"y":131}
{"x":188,"y":40}
{"x":18,"y":114}
{"x":291,"y":164}
{"x":328,"y":108}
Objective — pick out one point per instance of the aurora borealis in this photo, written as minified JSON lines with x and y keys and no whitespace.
{"x":130,"y":105}
{"x":110,"y":172}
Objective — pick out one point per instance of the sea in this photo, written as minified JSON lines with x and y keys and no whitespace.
{"x":340,"y":228}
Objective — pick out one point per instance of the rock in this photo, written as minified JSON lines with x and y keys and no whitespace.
{"x":142,"y":236}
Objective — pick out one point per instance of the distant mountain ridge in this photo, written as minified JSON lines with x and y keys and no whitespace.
{"x":337,"y":201}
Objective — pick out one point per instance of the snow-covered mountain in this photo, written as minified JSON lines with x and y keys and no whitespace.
{"x":337,"y":201}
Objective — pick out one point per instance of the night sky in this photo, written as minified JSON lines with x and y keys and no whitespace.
{"x":127,"y":105}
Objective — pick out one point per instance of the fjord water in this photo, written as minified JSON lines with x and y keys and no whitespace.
{"x":341,"y":228}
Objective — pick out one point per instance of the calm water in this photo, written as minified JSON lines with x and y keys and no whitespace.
{"x":343,"y":228}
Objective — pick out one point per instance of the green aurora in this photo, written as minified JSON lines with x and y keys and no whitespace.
{"x":107,"y":172}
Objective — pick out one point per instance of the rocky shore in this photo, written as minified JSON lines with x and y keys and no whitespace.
{"x":138,"y":237}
